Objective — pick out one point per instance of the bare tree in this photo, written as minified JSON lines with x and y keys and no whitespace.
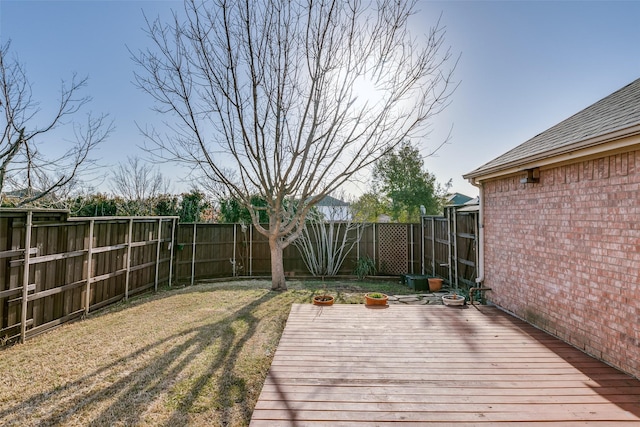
{"x":139,"y":184}
{"x":33,"y":176}
{"x":295,"y":97}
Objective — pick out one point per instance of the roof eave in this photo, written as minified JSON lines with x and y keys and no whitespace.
{"x":611,"y":141}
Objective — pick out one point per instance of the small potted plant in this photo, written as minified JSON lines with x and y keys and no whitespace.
{"x":453,"y":299}
{"x":375,"y":298}
{"x":324,"y":298}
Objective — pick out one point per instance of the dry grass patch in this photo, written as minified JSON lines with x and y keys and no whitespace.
{"x":194,"y":356}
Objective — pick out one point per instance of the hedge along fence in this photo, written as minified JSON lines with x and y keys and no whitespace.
{"x":75,"y":265}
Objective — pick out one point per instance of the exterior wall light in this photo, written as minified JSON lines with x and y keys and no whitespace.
{"x":533,"y":176}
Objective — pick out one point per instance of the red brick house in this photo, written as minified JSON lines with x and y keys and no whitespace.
{"x":560,"y":229}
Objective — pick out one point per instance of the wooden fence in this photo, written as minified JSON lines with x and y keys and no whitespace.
{"x":444,"y":246}
{"x":450,"y":246}
{"x":54,"y":269}
{"x":229,"y":250}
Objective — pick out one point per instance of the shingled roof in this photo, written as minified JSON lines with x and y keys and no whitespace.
{"x":610,"y":116}
{"x":331,"y":202}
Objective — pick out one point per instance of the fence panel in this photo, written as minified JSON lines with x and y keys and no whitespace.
{"x":56,"y":283}
{"x":221,"y":250}
{"x":351,"y":257}
{"x":184,"y":251}
{"x":466,"y":242}
{"x":450,"y":246}
{"x":242,"y":251}
{"x":367,"y":245}
{"x":261,"y":255}
{"x":54,"y":269}
{"x":392,"y":249}
{"x":415,"y":250}
{"x":109,"y":262}
{"x":76,"y":265}
{"x":150,"y":254}
{"x":442,"y":247}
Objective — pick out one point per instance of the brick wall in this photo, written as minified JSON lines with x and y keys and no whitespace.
{"x":564,"y":254}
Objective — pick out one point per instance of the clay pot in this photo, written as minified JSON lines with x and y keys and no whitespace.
{"x":323,"y":300}
{"x":435,"y":284}
{"x":375,"y":301}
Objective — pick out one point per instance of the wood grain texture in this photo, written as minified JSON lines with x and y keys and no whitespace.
{"x":434,"y":365}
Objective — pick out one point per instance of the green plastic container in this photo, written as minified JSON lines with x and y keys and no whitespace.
{"x":417,"y":282}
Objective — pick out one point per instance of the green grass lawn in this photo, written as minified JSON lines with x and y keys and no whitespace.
{"x":190,"y":356}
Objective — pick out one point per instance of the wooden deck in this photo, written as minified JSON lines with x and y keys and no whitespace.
{"x":348,"y":365}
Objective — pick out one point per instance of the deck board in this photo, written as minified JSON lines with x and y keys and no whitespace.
{"x":348,"y":365}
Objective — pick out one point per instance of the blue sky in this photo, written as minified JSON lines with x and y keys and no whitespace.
{"x":524,"y":67}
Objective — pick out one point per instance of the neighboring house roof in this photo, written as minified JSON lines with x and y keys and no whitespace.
{"x":20,"y":193}
{"x":472,"y":205}
{"x":331,"y":201}
{"x":612,"y":118}
{"x":456,"y":199}
{"x":384,"y":218}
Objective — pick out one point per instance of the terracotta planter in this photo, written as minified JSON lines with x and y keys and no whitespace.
{"x":375,"y":301}
{"x":323,"y":300}
{"x":435,"y":284}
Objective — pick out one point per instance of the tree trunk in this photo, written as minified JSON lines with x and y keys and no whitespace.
{"x":278,"y":282}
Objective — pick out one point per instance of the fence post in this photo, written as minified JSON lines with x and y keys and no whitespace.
{"x":126,"y":282}
{"x":87,"y":296}
{"x":422,"y":254}
{"x":25,"y":276}
{"x":476,"y":243}
{"x":158,"y":254}
{"x":433,"y":246}
{"x":455,"y":245}
{"x":359,"y":236}
{"x":411,"y":246}
{"x":173,"y":241}
{"x":233,"y":263}
{"x":251,"y":251}
{"x":193,"y":255}
{"x":374,"y":246}
{"x":449,"y":243}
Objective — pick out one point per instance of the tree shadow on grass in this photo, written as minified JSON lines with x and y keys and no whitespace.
{"x":131,"y":395}
{"x":169,"y":292}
